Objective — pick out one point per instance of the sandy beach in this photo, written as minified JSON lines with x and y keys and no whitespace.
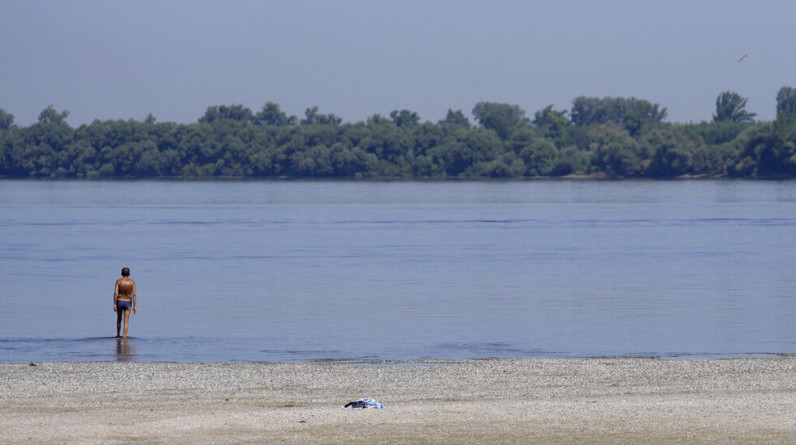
{"x":479,"y":401}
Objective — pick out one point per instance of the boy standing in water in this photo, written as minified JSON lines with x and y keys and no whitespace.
{"x":123,"y":300}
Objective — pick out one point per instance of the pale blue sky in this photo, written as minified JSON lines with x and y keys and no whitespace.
{"x":107,"y":59}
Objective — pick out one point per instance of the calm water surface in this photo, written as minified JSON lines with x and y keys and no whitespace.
{"x":295,"y":271}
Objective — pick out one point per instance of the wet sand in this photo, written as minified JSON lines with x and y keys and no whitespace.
{"x":480,"y":401}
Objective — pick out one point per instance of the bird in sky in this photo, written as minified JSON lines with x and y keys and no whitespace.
{"x":741,"y":59}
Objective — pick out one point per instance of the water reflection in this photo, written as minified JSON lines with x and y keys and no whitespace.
{"x":125,"y":352}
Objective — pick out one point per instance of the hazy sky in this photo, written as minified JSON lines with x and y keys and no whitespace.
{"x":106,"y":59}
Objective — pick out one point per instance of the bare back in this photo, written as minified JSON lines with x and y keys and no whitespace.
{"x":125,"y":287}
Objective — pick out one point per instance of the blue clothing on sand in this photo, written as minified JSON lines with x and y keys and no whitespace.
{"x":364,"y":403}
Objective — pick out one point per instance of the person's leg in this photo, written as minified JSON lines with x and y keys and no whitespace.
{"x":126,"y":320}
{"x":118,"y":321}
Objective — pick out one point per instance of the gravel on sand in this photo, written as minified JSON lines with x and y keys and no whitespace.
{"x":610,"y":400}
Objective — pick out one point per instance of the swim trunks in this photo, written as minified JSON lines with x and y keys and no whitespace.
{"x":121,"y":304}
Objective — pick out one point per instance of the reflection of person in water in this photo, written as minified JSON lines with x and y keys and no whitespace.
{"x":124,"y":351}
{"x":123,"y":300}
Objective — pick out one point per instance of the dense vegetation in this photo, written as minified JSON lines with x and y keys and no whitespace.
{"x":613,"y":137}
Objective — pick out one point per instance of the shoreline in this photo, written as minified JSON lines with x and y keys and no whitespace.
{"x":598,"y":400}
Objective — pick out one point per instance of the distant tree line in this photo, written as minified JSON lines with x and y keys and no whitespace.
{"x":604,"y":137}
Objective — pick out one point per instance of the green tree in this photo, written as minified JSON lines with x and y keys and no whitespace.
{"x":615,"y":152}
{"x":6,"y":120}
{"x":50,"y":115}
{"x":5,"y":152}
{"x":552,"y":123}
{"x":618,"y":136}
{"x":378,"y":119}
{"x":752,"y":144}
{"x":571,"y":160}
{"x":537,"y":153}
{"x":539,"y":157}
{"x":312,"y":117}
{"x":715,"y":133}
{"x":455,"y":119}
{"x":404,"y":118}
{"x":589,"y":111}
{"x":508,"y":165}
{"x":784,"y":136}
{"x":786,"y":101}
{"x":267,"y":157}
{"x":673,"y":152}
{"x":638,"y":115}
{"x":500,"y":117}
{"x":272,"y":115}
{"x":634,"y":114}
{"x":232,"y":112}
{"x":41,"y":150}
{"x":713,"y":160}
{"x":391,"y":145}
{"x":452,"y":157}
{"x":426,"y":136}
{"x":775,"y":149}
{"x":730,"y":107}
{"x":481,"y":144}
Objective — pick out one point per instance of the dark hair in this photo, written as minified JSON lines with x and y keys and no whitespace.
{"x":125,"y":271}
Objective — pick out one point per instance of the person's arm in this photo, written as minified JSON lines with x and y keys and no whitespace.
{"x":115,"y":294}
{"x":134,"y":297}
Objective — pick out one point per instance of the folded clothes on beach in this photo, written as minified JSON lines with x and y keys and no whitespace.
{"x":364,"y":403}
